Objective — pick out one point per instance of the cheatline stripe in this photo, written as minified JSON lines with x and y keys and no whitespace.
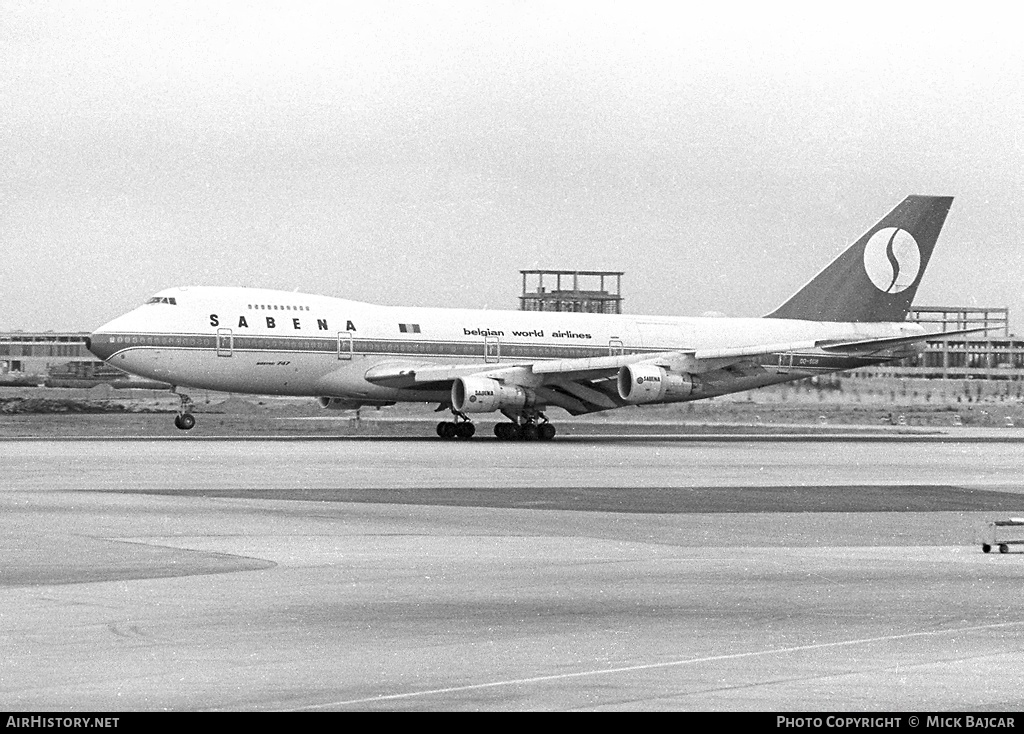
{"x":328,"y":345}
{"x":421,"y":348}
{"x":656,"y":666}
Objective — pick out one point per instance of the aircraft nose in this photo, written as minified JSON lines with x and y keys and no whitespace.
{"x":100,"y":344}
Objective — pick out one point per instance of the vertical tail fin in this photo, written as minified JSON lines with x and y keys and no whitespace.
{"x":875,"y":279}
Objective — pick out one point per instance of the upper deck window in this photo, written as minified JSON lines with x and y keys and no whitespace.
{"x":274,"y":307}
{"x":162,"y":299}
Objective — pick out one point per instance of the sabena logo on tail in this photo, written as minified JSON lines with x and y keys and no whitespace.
{"x":892,"y":259}
{"x":875,"y":278}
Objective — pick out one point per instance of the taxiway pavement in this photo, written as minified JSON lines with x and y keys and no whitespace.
{"x":594,"y":575}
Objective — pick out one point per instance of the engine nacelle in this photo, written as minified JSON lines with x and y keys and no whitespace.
{"x":648,"y":383}
{"x":482,"y":395}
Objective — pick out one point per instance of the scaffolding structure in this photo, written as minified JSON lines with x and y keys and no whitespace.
{"x":581,"y":291}
{"x":955,"y":318}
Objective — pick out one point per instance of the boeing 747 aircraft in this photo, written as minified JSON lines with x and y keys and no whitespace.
{"x":349,"y":354}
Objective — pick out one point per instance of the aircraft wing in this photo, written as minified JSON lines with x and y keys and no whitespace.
{"x":582,"y":385}
{"x":410,"y":373}
{"x":588,"y":384}
{"x":406,"y":374}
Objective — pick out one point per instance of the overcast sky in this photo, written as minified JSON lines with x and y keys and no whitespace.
{"x":424,"y":153}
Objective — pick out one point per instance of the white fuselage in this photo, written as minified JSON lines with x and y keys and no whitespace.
{"x":281,"y":343}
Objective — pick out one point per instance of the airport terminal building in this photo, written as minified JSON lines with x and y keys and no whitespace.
{"x":51,"y":358}
{"x":991,"y":355}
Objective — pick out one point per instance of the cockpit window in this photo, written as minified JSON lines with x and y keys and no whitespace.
{"x":162,"y":299}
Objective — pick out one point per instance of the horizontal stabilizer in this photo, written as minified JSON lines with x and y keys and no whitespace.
{"x":889,"y":342}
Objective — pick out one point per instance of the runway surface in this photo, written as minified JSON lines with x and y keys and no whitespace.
{"x":665,"y":574}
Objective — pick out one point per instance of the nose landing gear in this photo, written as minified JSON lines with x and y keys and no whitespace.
{"x":184,"y":421}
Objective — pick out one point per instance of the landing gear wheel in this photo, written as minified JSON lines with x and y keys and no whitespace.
{"x":451,"y":429}
{"x":506,"y":431}
{"x":526,"y":432}
{"x":986,"y":548}
{"x":185,"y":422}
{"x":1004,"y":548}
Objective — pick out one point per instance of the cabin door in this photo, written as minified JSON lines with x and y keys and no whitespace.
{"x":492,"y":349}
{"x":344,"y":345}
{"x":225,"y":342}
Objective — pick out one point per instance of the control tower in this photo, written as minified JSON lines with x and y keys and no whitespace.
{"x":582,"y":291}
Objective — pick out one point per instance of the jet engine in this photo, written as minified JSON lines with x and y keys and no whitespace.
{"x":482,"y":395}
{"x":648,"y":383}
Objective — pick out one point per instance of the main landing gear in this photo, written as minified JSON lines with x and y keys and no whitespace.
{"x":184,"y":420}
{"x":533,"y":426}
{"x":528,"y":429}
{"x":461,"y":427}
